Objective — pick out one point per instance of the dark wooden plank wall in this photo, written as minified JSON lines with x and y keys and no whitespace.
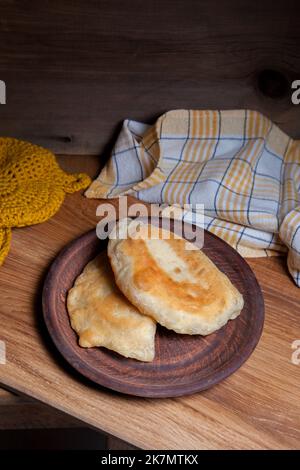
{"x":75,"y":69}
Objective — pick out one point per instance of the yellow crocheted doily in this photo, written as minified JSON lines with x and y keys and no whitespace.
{"x":32,"y":187}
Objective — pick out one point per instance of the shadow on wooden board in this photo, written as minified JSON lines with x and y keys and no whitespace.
{"x":27,"y":424}
{"x":52,"y":439}
{"x":75,"y":69}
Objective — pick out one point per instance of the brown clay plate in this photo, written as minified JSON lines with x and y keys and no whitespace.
{"x":183,"y":364}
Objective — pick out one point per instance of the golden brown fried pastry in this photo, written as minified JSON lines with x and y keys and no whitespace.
{"x":102,"y":316}
{"x":180,"y":288}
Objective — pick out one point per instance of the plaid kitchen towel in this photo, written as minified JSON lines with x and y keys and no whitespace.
{"x":241,"y":166}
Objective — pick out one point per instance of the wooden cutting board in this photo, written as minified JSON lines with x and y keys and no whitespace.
{"x":257,"y":407}
{"x":183,"y":364}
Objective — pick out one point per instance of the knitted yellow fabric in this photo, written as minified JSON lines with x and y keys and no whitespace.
{"x":32,"y":187}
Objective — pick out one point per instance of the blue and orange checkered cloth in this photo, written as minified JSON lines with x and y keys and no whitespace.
{"x":241,"y":166}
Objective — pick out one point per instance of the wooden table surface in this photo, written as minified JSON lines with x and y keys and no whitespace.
{"x":258,"y":407}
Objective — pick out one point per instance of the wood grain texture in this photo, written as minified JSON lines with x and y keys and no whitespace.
{"x":74,"y":70}
{"x":183,"y":364}
{"x":34,"y":415}
{"x":257,"y":407}
{"x":7,"y":397}
{"x":22,"y":412}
